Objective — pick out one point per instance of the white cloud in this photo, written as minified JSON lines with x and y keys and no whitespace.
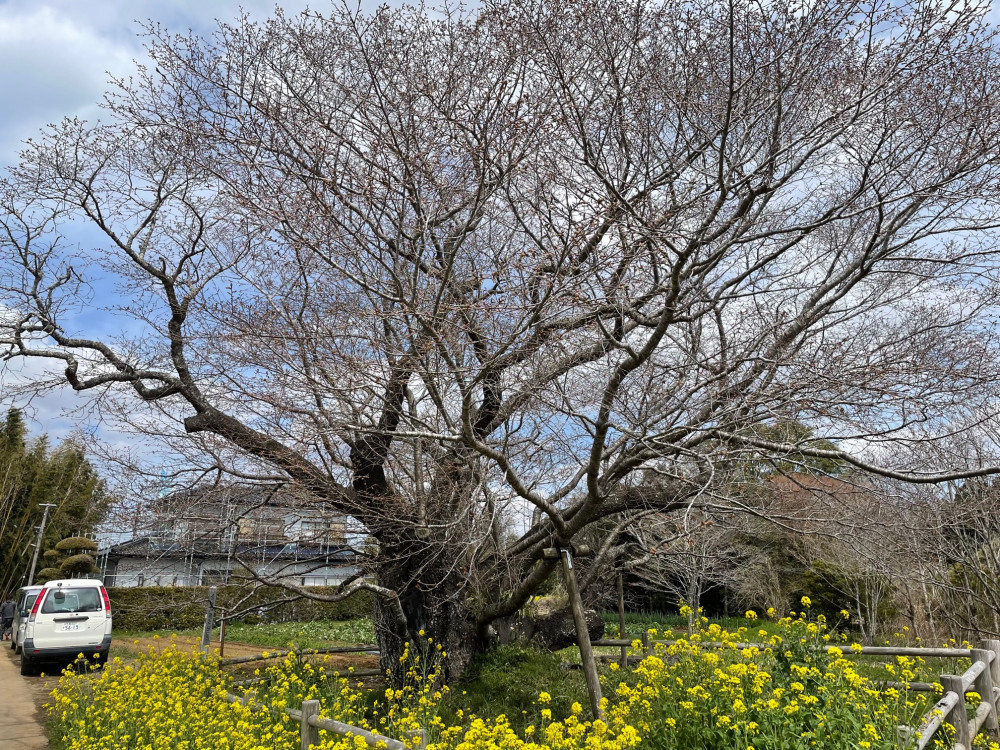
{"x":55,"y":55}
{"x":52,"y":67}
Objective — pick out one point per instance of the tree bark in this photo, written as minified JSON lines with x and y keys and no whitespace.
{"x":435,"y":614}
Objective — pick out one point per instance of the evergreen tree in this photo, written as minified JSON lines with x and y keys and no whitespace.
{"x":32,"y":474}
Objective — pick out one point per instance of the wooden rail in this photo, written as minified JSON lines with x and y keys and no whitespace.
{"x":311,"y":722}
{"x":360,"y":649}
{"x":867,"y":650}
{"x":983,"y":677}
{"x":309,"y":719}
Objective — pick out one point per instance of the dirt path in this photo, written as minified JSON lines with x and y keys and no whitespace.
{"x":189,"y":643}
{"x":21,"y":718}
{"x":235,"y":650}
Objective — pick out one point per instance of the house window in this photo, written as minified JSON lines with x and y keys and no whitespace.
{"x":247,"y":527}
{"x":323,"y":532}
{"x":338,"y":532}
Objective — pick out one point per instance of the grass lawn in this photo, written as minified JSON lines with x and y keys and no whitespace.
{"x":314,"y":634}
{"x":508,"y":679}
{"x":639,"y":622}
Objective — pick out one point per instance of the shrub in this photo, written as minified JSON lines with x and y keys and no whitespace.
{"x":47,"y":574}
{"x":180,"y":608}
{"x":81,"y":564}
{"x":72,"y":543}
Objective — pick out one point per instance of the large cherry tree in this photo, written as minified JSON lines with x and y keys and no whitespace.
{"x":482,"y":279}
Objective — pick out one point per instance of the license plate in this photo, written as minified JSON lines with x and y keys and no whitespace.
{"x":67,"y":628}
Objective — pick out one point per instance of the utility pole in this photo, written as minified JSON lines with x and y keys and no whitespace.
{"x":38,"y":541}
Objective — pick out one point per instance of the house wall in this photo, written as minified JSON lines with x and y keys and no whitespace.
{"x":141,"y":571}
{"x":132,"y":572}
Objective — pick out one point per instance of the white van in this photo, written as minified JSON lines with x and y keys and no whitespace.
{"x":25,"y":599}
{"x":70,"y":617}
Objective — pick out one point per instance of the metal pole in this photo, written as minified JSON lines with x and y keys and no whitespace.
{"x":206,"y":633}
{"x":38,"y":540}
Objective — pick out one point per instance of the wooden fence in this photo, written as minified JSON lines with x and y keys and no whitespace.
{"x":311,"y":722}
{"x":360,"y":649}
{"x":308,"y":718}
{"x":983,"y":677}
{"x":370,"y":650}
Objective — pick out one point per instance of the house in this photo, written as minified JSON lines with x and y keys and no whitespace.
{"x":216,"y":535}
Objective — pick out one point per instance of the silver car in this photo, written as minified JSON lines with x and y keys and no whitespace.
{"x":25,"y":598}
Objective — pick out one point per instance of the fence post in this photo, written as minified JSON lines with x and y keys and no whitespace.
{"x":420,"y":735}
{"x":984,"y":686}
{"x":959,"y":716}
{"x":904,"y":735}
{"x":206,"y":632}
{"x":309,"y":733}
{"x":646,"y":645}
{"x":994,"y":645}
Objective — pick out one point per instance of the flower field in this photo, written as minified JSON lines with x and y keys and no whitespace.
{"x":804,"y":688}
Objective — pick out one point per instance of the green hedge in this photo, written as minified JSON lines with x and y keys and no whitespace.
{"x":183,"y":607}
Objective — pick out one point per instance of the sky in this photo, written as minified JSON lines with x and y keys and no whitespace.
{"x":55,"y":60}
{"x":55,"y":55}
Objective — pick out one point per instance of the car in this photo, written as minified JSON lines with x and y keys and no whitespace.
{"x":25,"y":598}
{"x":69,"y":617}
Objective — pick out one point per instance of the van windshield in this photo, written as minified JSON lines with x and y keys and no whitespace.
{"x":71,"y":600}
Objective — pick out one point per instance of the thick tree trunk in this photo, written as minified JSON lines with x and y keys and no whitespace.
{"x":433,"y":600}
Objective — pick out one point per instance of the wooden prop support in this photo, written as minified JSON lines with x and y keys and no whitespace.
{"x":582,"y":635}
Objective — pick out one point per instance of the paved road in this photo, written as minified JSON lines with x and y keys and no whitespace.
{"x":19,"y":725}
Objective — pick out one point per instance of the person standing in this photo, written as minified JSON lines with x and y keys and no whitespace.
{"x":6,"y":618}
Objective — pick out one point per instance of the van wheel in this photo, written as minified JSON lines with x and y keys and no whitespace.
{"x":27,"y":668}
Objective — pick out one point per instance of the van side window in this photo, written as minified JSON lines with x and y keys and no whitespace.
{"x":72,"y":600}
{"x":29,"y":600}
